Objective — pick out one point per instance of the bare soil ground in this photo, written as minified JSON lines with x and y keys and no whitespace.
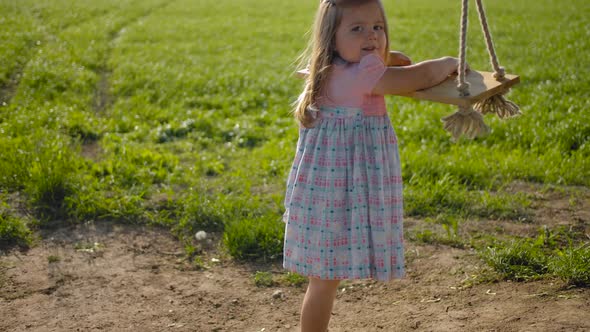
{"x":112,"y":277}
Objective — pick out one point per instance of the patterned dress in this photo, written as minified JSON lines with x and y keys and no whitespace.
{"x":344,"y":209}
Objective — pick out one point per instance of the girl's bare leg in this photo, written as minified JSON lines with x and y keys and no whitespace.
{"x":317,"y":305}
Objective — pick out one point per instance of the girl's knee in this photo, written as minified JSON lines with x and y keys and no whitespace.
{"x":323,"y":285}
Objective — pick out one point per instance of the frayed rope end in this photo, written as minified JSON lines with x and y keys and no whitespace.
{"x":498,"y":105}
{"x":466,"y":121}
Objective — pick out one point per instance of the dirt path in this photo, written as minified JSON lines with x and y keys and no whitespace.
{"x":108,"y":277}
{"x":131,"y":278}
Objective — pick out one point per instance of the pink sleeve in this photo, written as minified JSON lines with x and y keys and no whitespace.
{"x":370,"y":70}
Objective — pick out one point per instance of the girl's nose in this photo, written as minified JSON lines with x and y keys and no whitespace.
{"x":372,"y":34}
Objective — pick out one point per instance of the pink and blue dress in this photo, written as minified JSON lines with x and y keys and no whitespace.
{"x":344,"y":208}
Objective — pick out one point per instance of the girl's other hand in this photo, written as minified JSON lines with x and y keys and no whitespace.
{"x":398,"y":59}
{"x":455,"y":65}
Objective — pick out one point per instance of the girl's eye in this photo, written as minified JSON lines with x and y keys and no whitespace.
{"x":378,"y":28}
{"x":357,"y":29}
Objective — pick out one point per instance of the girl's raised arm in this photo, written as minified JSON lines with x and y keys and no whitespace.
{"x":400,"y":80}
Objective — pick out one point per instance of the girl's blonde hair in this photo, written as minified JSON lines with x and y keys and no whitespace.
{"x":321,"y":52}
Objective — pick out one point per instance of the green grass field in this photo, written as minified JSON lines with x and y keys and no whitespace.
{"x":177,"y":113}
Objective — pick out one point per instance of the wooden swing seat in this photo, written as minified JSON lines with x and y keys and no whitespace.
{"x":483,"y":85}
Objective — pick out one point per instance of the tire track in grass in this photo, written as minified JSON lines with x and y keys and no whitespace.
{"x":8,"y":89}
{"x":103,"y":99}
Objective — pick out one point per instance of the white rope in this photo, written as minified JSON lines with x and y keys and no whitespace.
{"x":498,"y":71}
{"x":467,"y":120}
{"x":463,"y":86}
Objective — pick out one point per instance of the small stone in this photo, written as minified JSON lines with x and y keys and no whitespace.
{"x":201,"y":235}
{"x":278,"y":294}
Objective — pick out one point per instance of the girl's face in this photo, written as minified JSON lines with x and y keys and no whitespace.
{"x":361,"y":32}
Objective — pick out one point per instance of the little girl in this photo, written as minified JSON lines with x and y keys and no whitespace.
{"x":344,"y":192}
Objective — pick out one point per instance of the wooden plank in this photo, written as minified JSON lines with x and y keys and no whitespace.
{"x":482,"y":85}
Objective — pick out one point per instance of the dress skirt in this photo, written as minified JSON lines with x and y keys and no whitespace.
{"x":344,"y":209}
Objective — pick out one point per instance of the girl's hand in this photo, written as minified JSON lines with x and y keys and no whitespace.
{"x":398,"y":59}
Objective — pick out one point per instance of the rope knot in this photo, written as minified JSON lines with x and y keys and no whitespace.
{"x":500,"y":73}
{"x":463,"y":88}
